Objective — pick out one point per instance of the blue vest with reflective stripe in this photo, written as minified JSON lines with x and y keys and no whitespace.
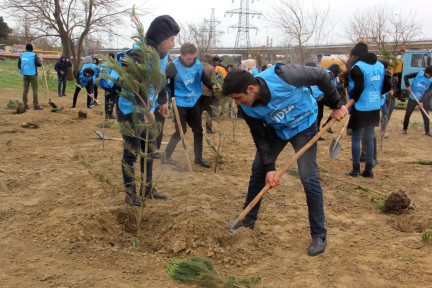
{"x":28,"y":66}
{"x":290,"y":110}
{"x":187,"y":83}
{"x":419,"y":85}
{"x":126,"y":106}
{"x":370,"y":98}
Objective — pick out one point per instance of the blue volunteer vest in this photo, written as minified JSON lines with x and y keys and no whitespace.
{"x":290,"y":110}
{"x":108,"y":84}
{"x":95,"y":69}
{"x":84,"y":80}
{"x":28,"y":66}
{"x":419,"y":85}
{"x":187,"y":83}
{"x":255,"y":71}
{"x":370,"y":99}
{"x":126,"y":106}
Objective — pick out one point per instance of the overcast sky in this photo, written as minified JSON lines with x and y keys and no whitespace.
{"x":194,"y":11}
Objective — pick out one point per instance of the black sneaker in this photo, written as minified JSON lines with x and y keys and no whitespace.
{"x":317,"y":246}
{"x":72,"y":106}
{"x":428,"y":134}
{"x":26,"y":107}
{"x":321,"y":139}
{"x":210,"y":131}
{"x":63,"y":94}
{"x":37,"y":107}
{"x":202,"y":162}
{"x":330,"y":131}
{"x":404,"y":131}
{"x":168,"y":160}
{"x":133,"y":200}
{"x":155,"y":195}
{"x":353,"y":173}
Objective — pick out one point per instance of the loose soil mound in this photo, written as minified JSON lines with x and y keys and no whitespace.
{"x":64,"y":222}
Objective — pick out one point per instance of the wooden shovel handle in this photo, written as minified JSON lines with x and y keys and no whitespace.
{"x":289,"y":164}
{"x":90,"y":95}
{"x":174,"y":104}
{"x":418,"y":102}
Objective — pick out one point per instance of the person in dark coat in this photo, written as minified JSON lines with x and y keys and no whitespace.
{"x":61,"y":67}
{"x":367,"y":81}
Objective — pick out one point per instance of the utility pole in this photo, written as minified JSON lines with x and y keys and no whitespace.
{"x":210,"y":28}
{"x":243,"y":26}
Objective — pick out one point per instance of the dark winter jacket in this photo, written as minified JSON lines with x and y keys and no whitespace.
{"x":62,"y":66}
{"x":360,"y":119}
{"x":298,"y":76}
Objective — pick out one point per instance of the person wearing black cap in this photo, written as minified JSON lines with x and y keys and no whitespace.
{"x":160,"y":35}
{"x":367,"y":81}
{"x":28,"y":63}
{"x":218,"y":67}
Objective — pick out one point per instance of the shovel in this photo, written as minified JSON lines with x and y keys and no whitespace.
{"x":335,"y":146}
{"x":257,"y":198}
{"x":105,"y":137}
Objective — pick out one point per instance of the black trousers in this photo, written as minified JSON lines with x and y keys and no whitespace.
{"x":159,"y":119}
{"x":409,"y":110}
{"x":75,"y":97}
{"x":192,"y":117}
{"x":204,"y":103}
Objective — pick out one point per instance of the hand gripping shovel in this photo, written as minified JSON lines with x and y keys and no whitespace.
{"x":424,"y":111}
{"x":233,"y":224}
{"x":335,"y":146}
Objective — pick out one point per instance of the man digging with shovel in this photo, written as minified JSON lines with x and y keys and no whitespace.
{"x":279,"y":108}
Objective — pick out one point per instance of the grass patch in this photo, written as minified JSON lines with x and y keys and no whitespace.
{"x":10,"y":77}
{"x":421,"y":162}
{"x":293,"y":171}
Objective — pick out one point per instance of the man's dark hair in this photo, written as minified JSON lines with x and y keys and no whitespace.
{"x":237,"y":81}
{"x":187,"y":48}
{"x":111,"y":55}
{"x":89,"y":71}
{"x":428,"y":70}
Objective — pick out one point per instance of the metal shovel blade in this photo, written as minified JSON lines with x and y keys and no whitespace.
{"x":101,"y":135}
{"x":335,"y":147}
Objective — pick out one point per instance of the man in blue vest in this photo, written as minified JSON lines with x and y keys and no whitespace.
{"x":278,"y":107}
{"x":422,"y":82}
{"x":28,"y":63}
{"x":160,"y":35}
{"x":186,"y":74}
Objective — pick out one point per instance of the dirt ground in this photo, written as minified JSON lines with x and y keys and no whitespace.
{"x":64,"y":222}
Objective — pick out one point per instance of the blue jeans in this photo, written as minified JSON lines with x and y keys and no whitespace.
{"x":61,"y":80}
{"x":368,"y":142}
{"x":134,"y":147}
{"x":386,"y":111}
{"x":309,"y":177}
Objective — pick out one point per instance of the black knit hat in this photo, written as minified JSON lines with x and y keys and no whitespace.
{"x":161,"y":28}
{"x":359,"y":49}
{"x":29,"y":47}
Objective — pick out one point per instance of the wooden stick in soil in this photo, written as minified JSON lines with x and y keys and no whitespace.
{"x":418,"y":102}
{"x":284,"y":169}
{"x":46,"y":83}
{"x":181,"y":133}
